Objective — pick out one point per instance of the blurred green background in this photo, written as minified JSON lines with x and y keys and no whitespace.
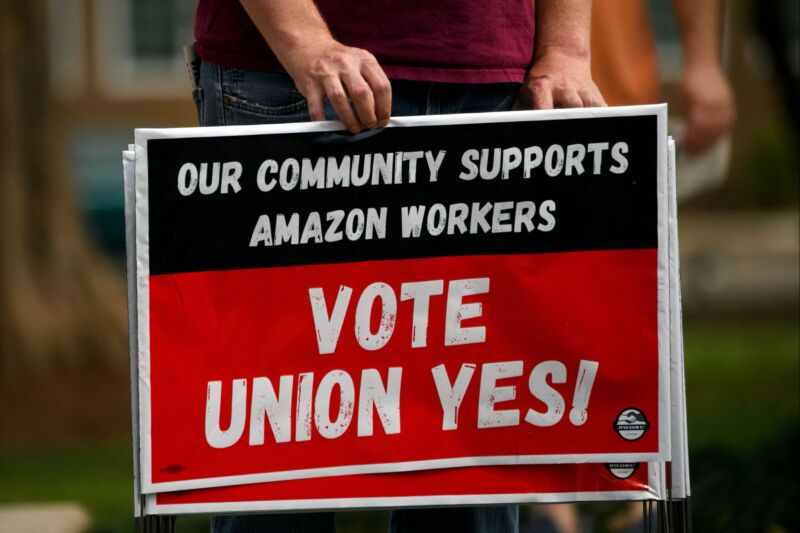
{"x":107,"y":66}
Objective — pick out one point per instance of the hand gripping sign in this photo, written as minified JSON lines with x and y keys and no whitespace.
{"x":449,"y":291}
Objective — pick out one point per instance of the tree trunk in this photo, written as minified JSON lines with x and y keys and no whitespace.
{"x":62,"y":305}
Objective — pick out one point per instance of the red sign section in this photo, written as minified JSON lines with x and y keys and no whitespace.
{"x":429,"y":361}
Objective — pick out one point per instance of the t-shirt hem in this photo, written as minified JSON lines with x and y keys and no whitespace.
{"x":236,"y":60}
{"x":455,"y":74}
{"x":400,"y":72}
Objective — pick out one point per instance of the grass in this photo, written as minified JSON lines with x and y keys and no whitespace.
{"x":742,"y":389}
{"x":741,"y":382}
{"x":97,"y":476}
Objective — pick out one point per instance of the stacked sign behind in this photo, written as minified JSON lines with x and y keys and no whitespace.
{"x":486,"y":302}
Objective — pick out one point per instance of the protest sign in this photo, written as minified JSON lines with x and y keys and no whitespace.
{"x":444,"y":305}
{"x":479,"y":485}
{"x":457,"y":486}
{"x":588,"y":482}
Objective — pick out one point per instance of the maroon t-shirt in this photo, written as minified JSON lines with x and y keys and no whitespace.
{"x":466,"y":41}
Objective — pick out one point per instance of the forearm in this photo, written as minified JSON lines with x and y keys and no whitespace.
{"x":699,"y":23}
{"x":563,"y":26}
{"x":288,"y":26}
{"x":561,"y":72}
{"x":322,"y":68}
{"x":708,"y":102}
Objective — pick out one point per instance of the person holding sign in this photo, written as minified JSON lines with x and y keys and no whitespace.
{"x":277,"y":61}
{"x":272,"y":61}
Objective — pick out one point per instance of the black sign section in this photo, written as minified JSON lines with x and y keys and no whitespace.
{"x":595,"y":191}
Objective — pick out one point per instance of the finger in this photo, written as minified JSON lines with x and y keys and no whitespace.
{"x":591,"y":98}
{"x":338,"y":99}
{"x":704,"y":126}
{"x":316,"y":104}
{"x":697,"y":142}
{"x":699,"y":137}
{"x":563,"y":98}
{"x":542,"y":95}
{"x":381,"y":91}
{"x":361,"y":95}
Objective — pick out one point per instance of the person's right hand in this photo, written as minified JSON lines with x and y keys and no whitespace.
{"x":343,"y":75}
{"x":709,"y":104}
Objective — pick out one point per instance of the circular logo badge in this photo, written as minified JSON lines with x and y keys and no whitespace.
{"x":631,"y":424}
{"x":622,"y":470}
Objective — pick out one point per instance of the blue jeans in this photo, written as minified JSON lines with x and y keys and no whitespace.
{"x":229,"y":96}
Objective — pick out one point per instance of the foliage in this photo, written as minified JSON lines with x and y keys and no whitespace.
{"x":772,"y":167}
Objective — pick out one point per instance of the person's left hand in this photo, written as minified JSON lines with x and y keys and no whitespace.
{"x":556,"y":80}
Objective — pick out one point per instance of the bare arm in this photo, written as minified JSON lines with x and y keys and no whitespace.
{"x":322,"y":67}
{"x":708,"y":100}
{"x":561,"y":72}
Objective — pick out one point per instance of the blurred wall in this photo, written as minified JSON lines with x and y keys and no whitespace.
{"x":115,"y":65}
